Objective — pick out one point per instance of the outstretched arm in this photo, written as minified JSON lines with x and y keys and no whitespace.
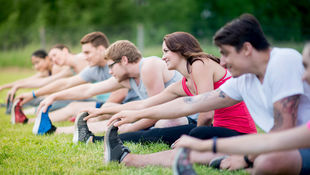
{"x":82,"y":92}
{"x":177,"y":108}
{"x":252,"y":144}
{"x":168,"y":94}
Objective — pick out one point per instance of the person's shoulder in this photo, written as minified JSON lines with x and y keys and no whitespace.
{"x":152,"y":62}
{"x":285,"y":53}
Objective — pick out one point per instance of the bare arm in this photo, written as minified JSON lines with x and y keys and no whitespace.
{"x":170,"y":93}
{"x":82,"y":92}
{"x":178,"y":107}
{"x":58,"y":85}
{"x":285,"y":113}
{"x":10,"y":85}
{"x":252,"y":144}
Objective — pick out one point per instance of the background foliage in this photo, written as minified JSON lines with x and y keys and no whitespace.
{"x":65,"y":21}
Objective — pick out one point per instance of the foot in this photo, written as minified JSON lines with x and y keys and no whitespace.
{"x":8,"y":105}
{"x":181,"y":164}
{"x":81,"y":131}
{"x":17,"y":115}
{"x":114,"y":150}
{"x":43,"y":124}
{"x":216,"y":162}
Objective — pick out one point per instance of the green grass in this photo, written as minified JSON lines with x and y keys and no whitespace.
{"x":21,"y":152}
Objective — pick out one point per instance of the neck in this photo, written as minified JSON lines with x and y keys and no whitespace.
{"x":260,"y":65}
{"x":133,"y":70}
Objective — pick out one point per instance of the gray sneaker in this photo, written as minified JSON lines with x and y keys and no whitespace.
{"x":216,"y":162}
{"x":81,"y":131}
{"x":181,"y":164}
{"x":114,"y":150}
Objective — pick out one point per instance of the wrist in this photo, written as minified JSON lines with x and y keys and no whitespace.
{"x":34,"y":95}
{"x":248,"y":161}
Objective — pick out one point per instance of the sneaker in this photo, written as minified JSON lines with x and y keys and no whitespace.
{"x":181,"y":164}
{"x":8,"y":105}
{"x":114,"y":150}
{"x":17,"y":115}
{"x":216,"y":162}
{"x":81,"y":131}
{"x":43,"y":124}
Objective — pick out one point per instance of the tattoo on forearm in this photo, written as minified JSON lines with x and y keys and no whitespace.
{"x":222,"y":94}
{"x":288,"y":106}
{"x":278,"y":120}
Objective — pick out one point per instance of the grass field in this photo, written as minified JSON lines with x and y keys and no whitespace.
{"x":21,"y":152}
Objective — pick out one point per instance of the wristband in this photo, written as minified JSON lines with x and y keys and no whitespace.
{"x":250,"y":163}
{"x":34,"y":95}
{"x":214,"y":145}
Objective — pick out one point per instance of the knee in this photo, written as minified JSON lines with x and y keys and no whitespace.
{"x":265,"y":164}
{"x":170,"y":123}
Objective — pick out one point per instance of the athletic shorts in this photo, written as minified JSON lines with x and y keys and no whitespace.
{"x":305,"y":155}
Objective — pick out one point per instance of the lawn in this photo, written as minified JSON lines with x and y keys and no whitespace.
{"x":21,"y":152}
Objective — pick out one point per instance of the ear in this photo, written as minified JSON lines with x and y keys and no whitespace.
{"x":247,"y":48}
{"x":101,"y":48}
{"x":124,"y":60}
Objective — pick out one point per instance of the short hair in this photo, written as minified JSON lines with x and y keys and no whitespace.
{"x":40,"y":54}
{"x":60,"y":47}
{"x":246,"y":28}
{"x":123,"y":48}
{"x":96,"y":39}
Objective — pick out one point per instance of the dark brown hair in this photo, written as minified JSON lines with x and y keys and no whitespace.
{"x":188,"y":46}
{"x":96,"y":39}
{"x":246,"y":28}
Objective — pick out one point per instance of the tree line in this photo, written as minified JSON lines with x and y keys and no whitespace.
{"x":66,"y":21}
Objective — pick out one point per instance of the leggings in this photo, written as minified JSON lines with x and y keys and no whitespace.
{"x":171,"y":134}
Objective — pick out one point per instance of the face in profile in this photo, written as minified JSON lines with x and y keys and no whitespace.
{"x":92,"y":54}
{"x":39,"y":63}
{"x":306,"y":63}
{"x":58,"y":56}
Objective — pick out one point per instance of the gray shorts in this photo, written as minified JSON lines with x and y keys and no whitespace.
{"x":305,"y":156}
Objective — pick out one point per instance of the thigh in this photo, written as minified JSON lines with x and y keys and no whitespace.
{"x":287,"y":162}
{"x":207,"y":132}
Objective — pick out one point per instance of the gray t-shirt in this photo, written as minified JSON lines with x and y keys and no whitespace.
{"x":98,"y":73}
{"x":95,"y":74}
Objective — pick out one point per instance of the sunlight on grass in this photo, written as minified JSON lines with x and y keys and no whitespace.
{"x":21,"y":152}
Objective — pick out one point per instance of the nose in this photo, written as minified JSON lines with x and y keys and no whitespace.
{"x":223,"y":62}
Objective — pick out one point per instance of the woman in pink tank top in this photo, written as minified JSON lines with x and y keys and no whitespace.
{"x":201,"y":73}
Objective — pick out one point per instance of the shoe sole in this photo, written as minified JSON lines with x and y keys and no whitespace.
{"x":76,"y":129}
{"x":37,"y":122}
{"x":107,"y":150}
{"x":175,"y":162}
{"x":13,"y":119}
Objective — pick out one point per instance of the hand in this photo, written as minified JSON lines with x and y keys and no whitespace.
{"x":188,"y":142}
{"x":128,"y":116}
{"x":233,"y":162}
{"x":46,"y":103}
{"x":25,"y":97}
{"x":11,"y":94}
{"x":92,"y":112}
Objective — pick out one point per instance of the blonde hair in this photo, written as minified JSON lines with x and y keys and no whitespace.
{"x":123,"y":48}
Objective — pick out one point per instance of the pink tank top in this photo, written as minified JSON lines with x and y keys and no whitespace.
{"x":236,"y":117}
{"x":308,"y":124}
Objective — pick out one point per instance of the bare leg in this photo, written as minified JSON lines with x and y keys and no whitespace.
{"x":288,"y":162}
{"x":94,"y":127}
{"x":163,"y":158}
{"x":203,"y":157}
{"x":164,"y":123}
{"x":67,"y":112}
